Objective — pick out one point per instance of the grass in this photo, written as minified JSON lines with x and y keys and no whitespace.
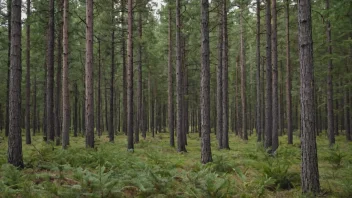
{"x":157,"y":170}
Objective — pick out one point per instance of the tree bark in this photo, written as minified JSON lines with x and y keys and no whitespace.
{"x":219,"y":105}
{"x":99,"y":118}
{"x":139,"y":122}
{"x":50,"y":128}
{"x":65,"y":88}
{"x":112,"y":81}
{"x":258,"y":86}
{"x":275,"y":105}
{"x":35,"y":122}
{"x":243,"y":78}
{"x":206,"y":155}
{"x":179,"y":125}
{"x":28,"y":75}
{"x":309,"y":168}
{"x":89,"y":95}
{"x":124,"y":66}
{"x":268,"y":105}
{"x":130,"y":145}
{"x":225,"y":77}
{"x":288,"y":76}
{"x":9,"y":18}
{"x":14,"y":153}
{"x":330,"y":105}
{"x":170,"y":83}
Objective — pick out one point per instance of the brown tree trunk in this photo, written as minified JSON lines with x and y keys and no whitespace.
{"x":243,"y":78}
{"x":170,"y":84}
{"x":139,"y":122}
{"x":14,"y":153}
{"x":258,"y":86}
{"x":112,"y":81}
{"x":275,"y":104}
{"x":309,"y":171}
{"x":89,"y":95}
{"x":130,"y":78}
{"x":7,"y":119}
{"x":225,"y":77}
{"x":35,"y":122}
{"x":288,"y":77}
{"x":76,"y":119}
{"x":219,"y":105}
{"x":179,"y":96}
{"x":329,"y":95}
{"x":28,"y":75}
{"x":205,"y":85}
{"x":99,"y":117}
{"x":268,"y":105}
{"x":124,"y":66}
{"x":65,"y":89}
{"x":50,"y":128}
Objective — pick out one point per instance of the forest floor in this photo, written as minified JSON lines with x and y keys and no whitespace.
{"x":155,"y":169}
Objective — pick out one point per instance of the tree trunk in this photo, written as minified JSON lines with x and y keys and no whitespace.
{"x":50,"y":128}
{"x":170,"y":84}
{"x":9,"y":18}
{"x":275,"y":104}
{"x":330,"y":105}
{"x":288,"y":77}
{"x":225,"y":77}
{"x":14,"y":154}
{"x":243,"y":78}
{"x":58,"y":104}
{"x":309,"y":171}
{"x":179,"y":125}
{"x":65,"y":89}
{"x":124,"y":66}
{"x":258,"y":86}
{"x":99,"y":118}
{"x":89,"y":95}
{"x":28,"y":75}
{"x":35,"y":122}
{"x":139,"y":122}
{"x":268,"y":105}
{"x":205,"y":85}
{"x":130,"y":78}
{"x":112,"y":81}
{"x":219,"y":105}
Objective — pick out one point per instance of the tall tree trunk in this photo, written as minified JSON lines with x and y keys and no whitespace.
{"x":58,"y":104}
{"x":99,"y":117}
{"x":14,"y":153}
{"x":219,"y":105}
{"x":28,"y":75}
{"x":76,"y":120}
{"x":258,"y":104}
{"x":170,"y":83}
{"x":205,"y":85}
{"x":9,"y":18}
{"x":225,"y":77}
{"x":243,"y":78}
{"x":288,"y":76}
{"x":268,"y":105}
{"x":330,"y":105}
{"x":89,"y":95}
{"x":179,"y":125}
{"x":65,"y":89}
{"x":124,"y":66}
{"x":275,"y":104}
{"x":309,"y":171}
{"x":112,"y":81}
{"x":130,"y":78}
{"x":139,"y":122}
{"x":35,"y":122}
{"x":50,"y":128}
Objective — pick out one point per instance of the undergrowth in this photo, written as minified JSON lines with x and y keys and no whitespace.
{"x":157,"y":170}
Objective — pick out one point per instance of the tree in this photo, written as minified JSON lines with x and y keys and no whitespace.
{"x":130,"y":78}
{"x":14,"y":153}
{"x":268,"y":104}
{"x":205,"y":85}
{"x":219,"y":107}
{"x":243,"y":77}
{"x":309,"y":169}
{"x":28,"y":76}
{"x":329,"y":83}
{"x":139,"y":123}
{"x":170,"y":83}
{"x":65,"y":89}
{"x":275,"y":104}
{"x":181,"y":147}
{"x":225,"y":77}
{"x":112,"y":79}
{"x":288,"y":76}
{"x":89,"y":106}
{"x":258,"y":104}
{"x":50,"y":128}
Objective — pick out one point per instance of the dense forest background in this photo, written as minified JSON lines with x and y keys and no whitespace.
{"x":136,"y":69}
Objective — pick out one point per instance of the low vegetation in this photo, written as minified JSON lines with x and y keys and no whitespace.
{"x":157,"y":170}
